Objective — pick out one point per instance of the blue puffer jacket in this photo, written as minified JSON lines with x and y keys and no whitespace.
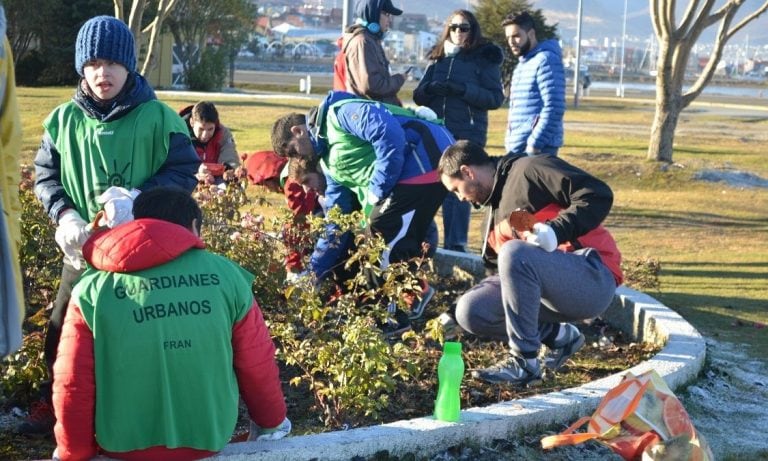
{"x":466,"y":116}
{"x":537,"y":101}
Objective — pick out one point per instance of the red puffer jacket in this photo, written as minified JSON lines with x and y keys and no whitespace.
{"x":133,"y":247}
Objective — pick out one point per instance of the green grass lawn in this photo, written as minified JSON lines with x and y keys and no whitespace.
{"x":710,"y":238}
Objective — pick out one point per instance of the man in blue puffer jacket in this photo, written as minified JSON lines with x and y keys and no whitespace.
{"x":537,"y":93}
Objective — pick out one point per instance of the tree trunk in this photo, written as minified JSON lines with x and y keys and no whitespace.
{"x":670,"y":65}
{"x":661,"y":145}
{"x":676,"y":39}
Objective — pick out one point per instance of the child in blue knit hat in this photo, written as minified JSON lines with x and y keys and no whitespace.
{"x":113,"y":140}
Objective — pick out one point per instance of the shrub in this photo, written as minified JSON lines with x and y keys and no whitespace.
{"x":340,"y":354}
{"x":349,"y":366}
{"x":242,"y":237}
{"x":40,"y":261}
{"x":335,"y":350}
{"x":39,"y":255}
{"x":210,"y":73}
{"x":24,"y":371}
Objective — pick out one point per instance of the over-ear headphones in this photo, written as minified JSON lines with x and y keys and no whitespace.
{"x":373,"y":27}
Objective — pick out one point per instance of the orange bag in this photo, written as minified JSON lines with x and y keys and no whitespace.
{"x":641,"y":418}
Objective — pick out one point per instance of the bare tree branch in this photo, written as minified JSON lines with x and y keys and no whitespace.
{"x":656,"y":19}
{"x":669,"y":15}
{"x":164,"y":7}
{"x":748,"y":19}
{"x":666,"y":26}
{"x":137,"y":11}
{"x":119,"y":12}
{"x":690,"y":14}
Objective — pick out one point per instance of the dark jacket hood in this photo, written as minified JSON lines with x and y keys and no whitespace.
{"x":503,"y":164}
{"x":491,"y":53}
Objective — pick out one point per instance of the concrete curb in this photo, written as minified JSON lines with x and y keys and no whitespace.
{"x":643,"y":317}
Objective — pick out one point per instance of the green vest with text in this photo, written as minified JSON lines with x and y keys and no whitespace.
{"x":163,"y":351}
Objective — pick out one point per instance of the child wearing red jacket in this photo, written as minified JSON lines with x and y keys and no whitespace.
{"x":180,"y":340}
{"x":213,"y":141}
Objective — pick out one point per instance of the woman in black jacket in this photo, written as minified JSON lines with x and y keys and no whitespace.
{"x":461,"y":84}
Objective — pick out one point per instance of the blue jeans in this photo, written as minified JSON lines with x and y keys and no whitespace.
{"x":432,"y":238}
{"x":533,"y":292}
{"x":455,"y":223}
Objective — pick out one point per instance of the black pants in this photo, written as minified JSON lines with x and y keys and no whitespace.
{"x":69,"y":276}
{"x":404,"y":217}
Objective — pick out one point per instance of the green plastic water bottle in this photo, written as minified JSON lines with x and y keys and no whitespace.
{"x":450,"y":371}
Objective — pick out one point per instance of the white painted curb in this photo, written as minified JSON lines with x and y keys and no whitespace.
{"x":643,"y":317}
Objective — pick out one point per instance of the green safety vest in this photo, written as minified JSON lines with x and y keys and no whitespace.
{"x":163,"y":351}
{"x":96,"y":155}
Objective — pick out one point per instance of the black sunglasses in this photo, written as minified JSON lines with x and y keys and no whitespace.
{"x":461,"y":27}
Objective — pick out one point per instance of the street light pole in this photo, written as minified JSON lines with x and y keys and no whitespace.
{"x":346,"y":15}
{"x":620,"y":89}
{"x":578,"y":59}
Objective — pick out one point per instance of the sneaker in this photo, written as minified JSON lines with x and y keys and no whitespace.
{"x":397,"y":324}
{"x":451,"y":328}
{"x":564,"y":349}
{"x":40,"y":420}
{"x":513,"y":370}
{"x":419,"y":305}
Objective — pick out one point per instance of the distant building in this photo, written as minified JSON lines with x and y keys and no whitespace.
{"x":411,"y":23}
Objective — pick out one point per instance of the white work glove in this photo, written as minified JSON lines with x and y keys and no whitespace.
{"x":118,"y":205}
{"x":426,"y":113}
{"x":542,"y":236}
{"x":71,"y":234}
{"x":293,"y":277}
{"x":371,"y":198}
{"x":275,"y":433}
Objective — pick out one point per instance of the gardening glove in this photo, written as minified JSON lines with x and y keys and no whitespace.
{"x":371,"y":199}
{"x":530,"y":150}
{"x":456,"y":88}
{"x":542,"y":236}
{"x":275,"y":433}
{"x":118,"y":205}
{"x":70,"y":235}
{"x":438,"y":88}
{"x":293,"y":277}
{"x":425,"y":113}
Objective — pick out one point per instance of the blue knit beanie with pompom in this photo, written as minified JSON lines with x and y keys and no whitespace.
{"x":105,"y":37}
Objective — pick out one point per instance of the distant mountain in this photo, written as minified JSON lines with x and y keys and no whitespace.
{"x":601,"y":19}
